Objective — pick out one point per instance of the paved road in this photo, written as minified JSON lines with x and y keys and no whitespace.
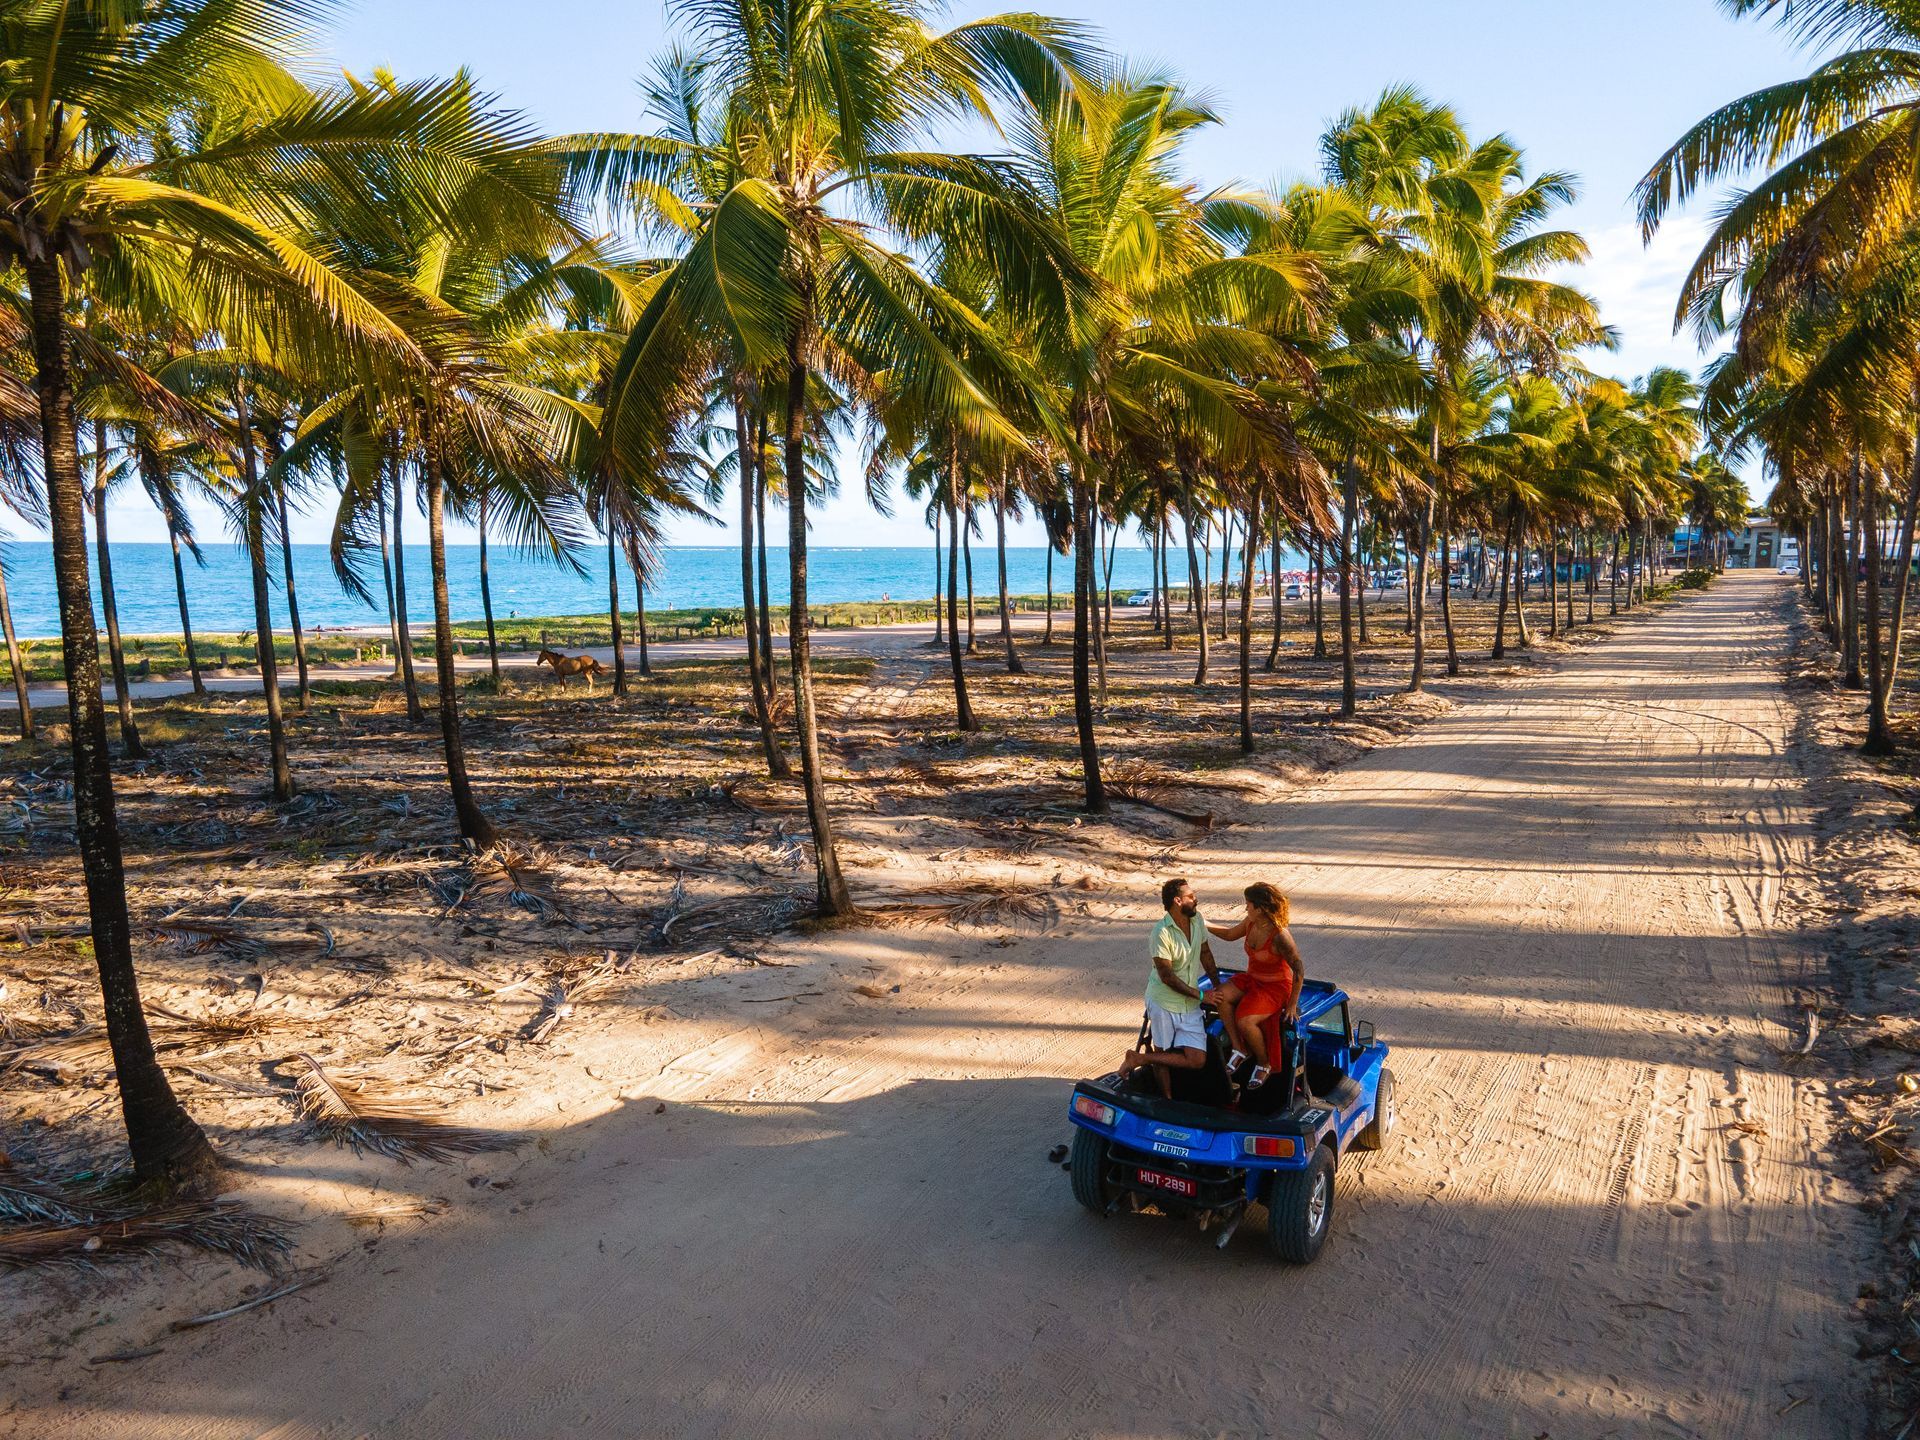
{"x":1605,"y":1213}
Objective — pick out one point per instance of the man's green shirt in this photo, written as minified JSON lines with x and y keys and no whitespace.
{"x":1181,"y":951}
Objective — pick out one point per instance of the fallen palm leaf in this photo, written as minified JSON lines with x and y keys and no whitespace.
{"x":36,"y":1202}
{"x":977,"y":904}
{"x":398,"y":1210}
{"x":400,"y":1128}
{"x":564,"y":992}
{"x":504,"y":870}
{"x":756,"y":915}
{"x":220,"y":937}
{"x":219,"y":1225}
{"x":87,"y":1044}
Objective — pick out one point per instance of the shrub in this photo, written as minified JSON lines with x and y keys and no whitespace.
{"x":1696,"y":579}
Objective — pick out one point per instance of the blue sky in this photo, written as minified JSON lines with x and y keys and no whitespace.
{"x":1596,"y":89}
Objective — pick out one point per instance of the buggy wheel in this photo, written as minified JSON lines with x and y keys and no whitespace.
{"x":1300,"y":1209}
{"x":1088,"y":1167}
{"x":1380,"y":1129}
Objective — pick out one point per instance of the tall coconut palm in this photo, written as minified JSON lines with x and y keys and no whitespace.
{"x":781,"y":281}
{"x":93,"y":198}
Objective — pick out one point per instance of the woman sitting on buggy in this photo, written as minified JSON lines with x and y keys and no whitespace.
{"x":1270,"y":986}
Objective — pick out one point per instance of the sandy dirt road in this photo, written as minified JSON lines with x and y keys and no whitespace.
{"x":1560,"y":905}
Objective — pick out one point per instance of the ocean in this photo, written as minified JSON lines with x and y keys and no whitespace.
{"x":221,"y":597}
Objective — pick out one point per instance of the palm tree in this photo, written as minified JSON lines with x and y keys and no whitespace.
{"x":780,"y":281}
{"x":93,"y":197}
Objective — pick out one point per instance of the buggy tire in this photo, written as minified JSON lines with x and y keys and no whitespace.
{"x":1300,"y":1209}
{"x":1088,"y":1167}
{"x":1380,"y":1129}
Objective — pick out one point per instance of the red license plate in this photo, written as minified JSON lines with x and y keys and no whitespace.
{"x":1172,"y":1184}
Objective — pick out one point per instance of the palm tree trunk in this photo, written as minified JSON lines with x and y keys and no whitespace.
{"x":1246,"y":629}
{"x":1521,"y":637}
{"x":1836,"y":562}
{"x":1014,"y":667}
{"x":403,"y":628}
{"x":1500,"y":614}
{"x":939,"y":577}
{"x":963,"y":522}
{"x":1360,"y":598}
{"x":613,"y":610}
{"x":1083,"y":626}
{"x":1349,"y":505}
{"x":1420,"y":535}
{"x":186,"y":619}
{"x":1100,"y":625}
{"x":386,"y":570}
{"x":255,"y":525}
{"x":640,"y":615}
{"x":16,"y":663}
{"x":1226,"y":560}
{"x":1446,"y":588}
{"x":1850,"y":595}
{"x":293,"y":599}
{"x":762,"y":695}
{"x":1279,"y":612}
{"x":130,"y":745}
{"x":486,"y":597}
{"x":475,"y":827}
{"x":1153,"y":570}
{"x":830,"y":886}
{"x":1317,"y":590}
{"x":1896,"y":619}
{"x":1106,"y":604}
{"x":1166,"y":575}
{"x":771,"y":675}
{"x":1047,"y":637}
{"x":1196,"y":575}
{"x":963,"y":712}
{"x":1592,"y":577}
{"x":167,"y":1147}
{"x":1879,"y":739}
{"x":1553,"y":583}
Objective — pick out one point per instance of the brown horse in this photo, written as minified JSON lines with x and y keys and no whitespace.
{"x":565,"y":665}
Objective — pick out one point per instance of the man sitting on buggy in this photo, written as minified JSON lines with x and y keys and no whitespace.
{"x":1176,"y":1025}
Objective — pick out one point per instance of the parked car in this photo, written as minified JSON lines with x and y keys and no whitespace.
{"x":1140,"y":597}
{"x":1294,"y":590}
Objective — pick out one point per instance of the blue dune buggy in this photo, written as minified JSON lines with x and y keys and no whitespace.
{"x":1211,"y":1152}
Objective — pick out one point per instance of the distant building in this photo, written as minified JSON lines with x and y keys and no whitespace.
{"x":1757,"y":546}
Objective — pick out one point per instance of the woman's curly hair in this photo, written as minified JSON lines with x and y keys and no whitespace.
{"x":1268,"y":900}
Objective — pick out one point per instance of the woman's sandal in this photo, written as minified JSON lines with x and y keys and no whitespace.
{"x":1261,"y":1074}
{"x":1235,"y":1061}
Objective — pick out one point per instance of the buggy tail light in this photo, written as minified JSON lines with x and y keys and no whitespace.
{"x":1093,"y":1110}
{"x":1271,"y":1147}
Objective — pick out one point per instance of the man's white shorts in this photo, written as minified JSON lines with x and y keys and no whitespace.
{"x":1176,"y":1029}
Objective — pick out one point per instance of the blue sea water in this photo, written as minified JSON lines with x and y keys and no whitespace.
{"x":221,"y":597}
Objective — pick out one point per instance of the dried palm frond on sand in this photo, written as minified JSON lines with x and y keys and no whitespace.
{"x":400,"y":1128}
{"x":565,"y":991}
{"x":514,"y":873}
{"x":188,"y":936}
{"x":977,"y":903}
{"x":86,"y":1045}
{"x":1138,"y":783}
{"x":751,"y":914}
{"x":82,"y":1236}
